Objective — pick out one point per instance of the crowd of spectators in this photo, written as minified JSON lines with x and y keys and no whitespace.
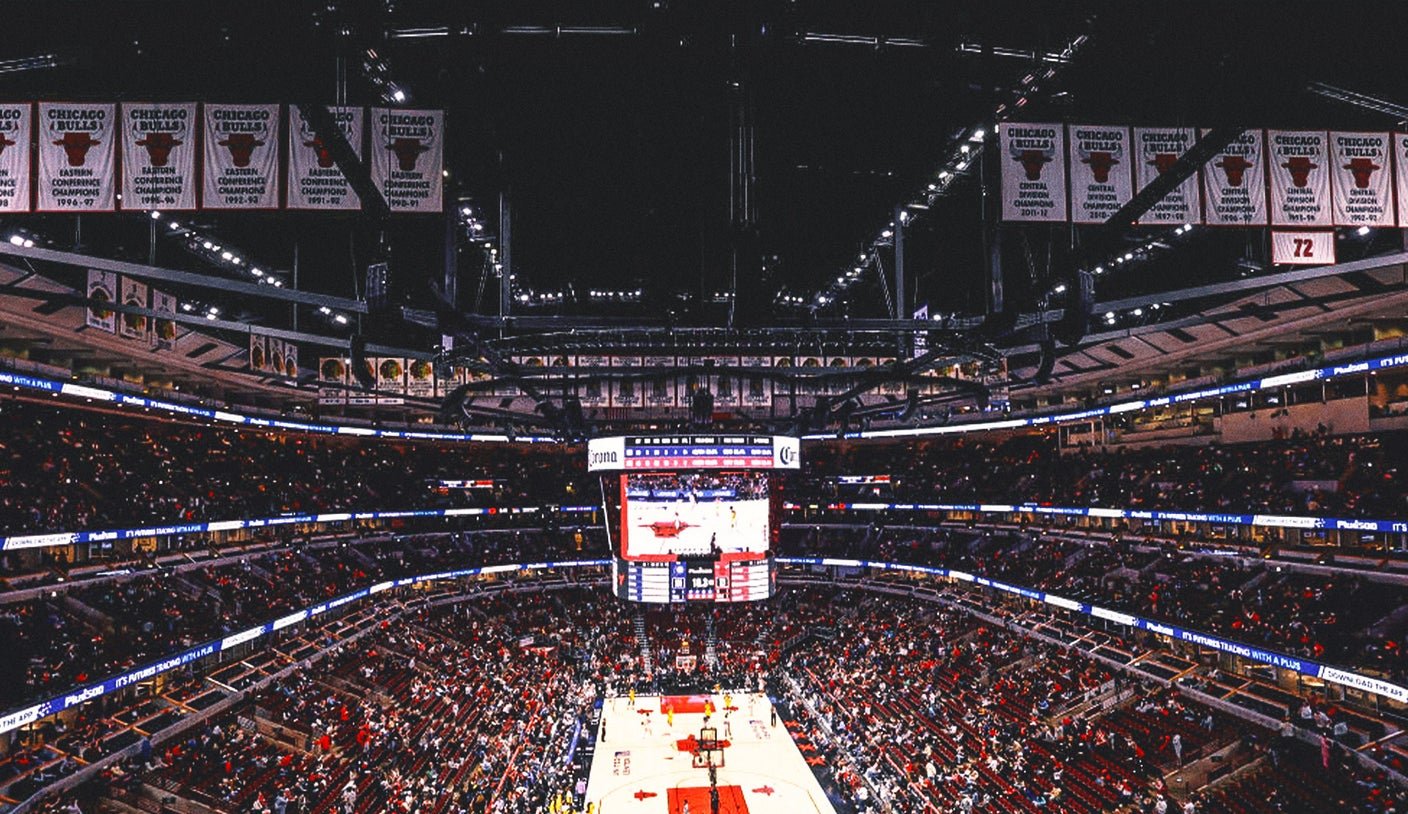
{"x":476,"y":707}
{"x":91,"y":631}
{"x":63,"y":469}
{"x":1315,"y":474}
{"x":1336,"y":618}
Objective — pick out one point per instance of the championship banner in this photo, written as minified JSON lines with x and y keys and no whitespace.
{"x":290,"y":360}
{"x":810,"y":385}
{"x":390,"y":379}
{"x":594,"y":392}
{"x":16,"y":127}
{"x":626,"y":392}
{"x":1359,"y":176}
{"x":783,"y":389}
{"x":1033,"y":171}
{"x":756,"y":391}
{"x":274,"y":359}
{"x":1300,"y":182}
{"x":77,"y":157}
{"x":102,"y":287}
{"x":1400,"y":166}
{"x":314,"y":181}
{"x":1157,"y":149}
{"x":408,"y":158}
{"x":659,"y":391}
{"x":1102,"y":179}
{"x":838,"y":364}
{"x":241,"y":157}
{"x":420,"y":378}
{"x":158,"y":156}
{"x":1302,"y":248}
{"x":727,"y":383}
{"x":134,"y":294}
{"x":1234,"y":182}
{"x":258,"y":353}
{"x":332,"y":377}
{"x":163,"y":330}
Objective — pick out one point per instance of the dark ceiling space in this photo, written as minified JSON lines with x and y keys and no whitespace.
{"x":613,"y":143}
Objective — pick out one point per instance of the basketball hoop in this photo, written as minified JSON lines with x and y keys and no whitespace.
{"x":709,"y":751}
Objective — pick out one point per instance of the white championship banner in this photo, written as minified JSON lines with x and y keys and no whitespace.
{"x":1033,"y":171}
{"x":16,"y":129}
{"x":408,"y":158}
{"x":1400,"y":166}
{"x":1156,"y":150}
{"x":159,"y":156}
{"x":314,"y":180}
{"x":1360,"y":175}
{"x":1102,"y":178}
{"x":77,"y":157}
{"x":1234,"y":182}
{"x":1300,"y":178}
{"x":1302,"y":248}
{"x":241,"y":157}
{"x":163,"y":330}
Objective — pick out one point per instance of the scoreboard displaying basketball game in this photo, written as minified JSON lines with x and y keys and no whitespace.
{"x":694,"y":515}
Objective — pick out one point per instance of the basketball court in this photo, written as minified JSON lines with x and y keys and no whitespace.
{"x":647,"y":766}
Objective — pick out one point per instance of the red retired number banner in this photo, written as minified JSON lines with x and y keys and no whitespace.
{"x":1157,"y":149}
{"x":158,"y":156}
{"x":241,"y":157}
{"x":1360,"y":175}
{"x":15,"y":135}
{"x":77,"y":157}
{"x":1033,"y":171}
{"x":1102,"y":176}
{"x":314,"y":180}
{"x":1300,"y":177}
{"x":1234,"y":183}
{"x":408,"y":158}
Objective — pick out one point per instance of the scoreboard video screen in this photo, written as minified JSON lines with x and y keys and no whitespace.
{"x":667,"y":515}
{"x":693,"y":515}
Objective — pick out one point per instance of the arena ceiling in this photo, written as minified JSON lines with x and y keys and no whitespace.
{"x":608,"y":126}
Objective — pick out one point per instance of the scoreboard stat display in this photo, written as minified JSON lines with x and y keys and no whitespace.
{"x":693,"y":581}
{"x":686,"y":452}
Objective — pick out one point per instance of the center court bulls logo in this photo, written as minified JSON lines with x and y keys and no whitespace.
{"x":1299,"y":167}
{"x":1235,"y":168}
{"x":671,"y":528}
{"x":241,"y":147}
{"x":1362,"y":169}
{"x":1032,"y":160}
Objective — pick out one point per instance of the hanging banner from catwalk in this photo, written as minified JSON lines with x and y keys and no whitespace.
{"x":314,"y":179}
{"x":241,"y":157}
{"x":408,"y":158}
{"x":1300,"y":178}
{"x":16,"y":127}
{"x":1234,"y":182}
{"x":1360,"y":177}
{"x":77,"y":157}
{"x":1033,"y":160}
{"x":158,"y":156}
{"x":1157,"y":149}
{"x":1102,"y":179}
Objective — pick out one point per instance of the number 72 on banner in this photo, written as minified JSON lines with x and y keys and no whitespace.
{"x":1303,"y":248}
